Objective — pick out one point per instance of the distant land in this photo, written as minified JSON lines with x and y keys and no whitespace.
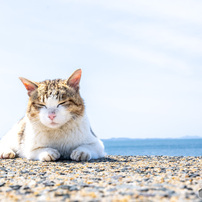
{"x":190,"y":137}
{"x":125,"y":138}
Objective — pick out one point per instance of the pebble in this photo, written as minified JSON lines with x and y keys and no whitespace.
{"x":2,"y":184}
{"x":114,"y":178}
{"x":15,"y":187}
{"x":47,"y":184}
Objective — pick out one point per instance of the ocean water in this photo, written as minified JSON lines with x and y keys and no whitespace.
{"x":165,"y":147}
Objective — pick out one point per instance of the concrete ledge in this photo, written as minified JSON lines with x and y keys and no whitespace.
{"x":114,"y":178}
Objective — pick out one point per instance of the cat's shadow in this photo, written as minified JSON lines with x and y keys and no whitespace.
{"x":100,"y":160}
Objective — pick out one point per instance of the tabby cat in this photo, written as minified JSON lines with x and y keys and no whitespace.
{"x":55,"y":125}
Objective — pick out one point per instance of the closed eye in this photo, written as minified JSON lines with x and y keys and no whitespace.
{"x":39,"y":105}
{"x":67,"y":103}
{"x":62,"y":103}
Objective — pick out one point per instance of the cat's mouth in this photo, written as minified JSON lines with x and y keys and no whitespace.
{"x":53,"y":123}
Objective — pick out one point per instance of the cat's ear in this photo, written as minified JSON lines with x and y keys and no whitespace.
{"x":74,"y":79}
{"x":29,"y":85}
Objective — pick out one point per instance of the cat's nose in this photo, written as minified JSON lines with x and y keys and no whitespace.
{"x":51,"y":116}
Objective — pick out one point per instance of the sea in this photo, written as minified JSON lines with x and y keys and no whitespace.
{"x":164,"y":147}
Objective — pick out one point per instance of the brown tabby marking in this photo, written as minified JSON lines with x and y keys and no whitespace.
{"x":21,"y":125}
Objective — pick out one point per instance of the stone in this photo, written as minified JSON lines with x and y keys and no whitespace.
{"x":15,"y":187}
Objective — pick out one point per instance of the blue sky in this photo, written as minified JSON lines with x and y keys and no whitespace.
{"x":141,"y":61}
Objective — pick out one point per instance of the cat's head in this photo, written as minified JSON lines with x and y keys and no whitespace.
{"x":54,"y":102}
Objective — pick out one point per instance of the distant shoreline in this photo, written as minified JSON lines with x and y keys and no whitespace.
{"x":168,"y":138}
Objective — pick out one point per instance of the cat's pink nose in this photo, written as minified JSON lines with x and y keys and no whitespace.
{"x":51,"y":116}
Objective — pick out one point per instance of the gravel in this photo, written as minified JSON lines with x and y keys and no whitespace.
{"x":114,"y":178}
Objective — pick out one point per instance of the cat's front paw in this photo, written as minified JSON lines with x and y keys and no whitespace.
{"x":49,"y":155}
{"x":79,"y":155}
{"x":7,"y":154}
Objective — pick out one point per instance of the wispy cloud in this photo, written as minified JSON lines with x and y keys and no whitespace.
{"x":154,"y":58}
{"x":189,"y":11}
{"x":161,"y":36}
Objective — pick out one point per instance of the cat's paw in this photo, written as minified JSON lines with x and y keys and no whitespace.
{"x":79,"y":155}
{"x":7,"y":154}
{"x":49,"y":155}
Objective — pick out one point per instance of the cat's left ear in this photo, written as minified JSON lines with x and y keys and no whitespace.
{"x":29,"y":85}
{"x":74,"y":79}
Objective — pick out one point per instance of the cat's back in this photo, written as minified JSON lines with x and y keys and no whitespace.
{"x":15,"y":135}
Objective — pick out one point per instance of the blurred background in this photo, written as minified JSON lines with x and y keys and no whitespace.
{"x":141,"y":61}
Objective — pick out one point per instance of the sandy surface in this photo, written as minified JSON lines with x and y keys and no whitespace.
{"x":114,"y":178}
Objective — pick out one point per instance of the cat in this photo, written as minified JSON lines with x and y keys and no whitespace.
{"x":55,"y":125}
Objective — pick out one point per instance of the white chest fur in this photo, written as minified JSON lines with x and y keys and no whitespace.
{"x":64,"y":139}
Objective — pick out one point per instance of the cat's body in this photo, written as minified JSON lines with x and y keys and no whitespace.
{"x":54,"y":126}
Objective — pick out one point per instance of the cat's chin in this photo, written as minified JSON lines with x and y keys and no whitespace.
{"x":53,"y":125}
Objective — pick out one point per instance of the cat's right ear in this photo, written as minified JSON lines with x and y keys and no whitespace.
{"x":29,"y":85}
{"x":74,"y":79}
